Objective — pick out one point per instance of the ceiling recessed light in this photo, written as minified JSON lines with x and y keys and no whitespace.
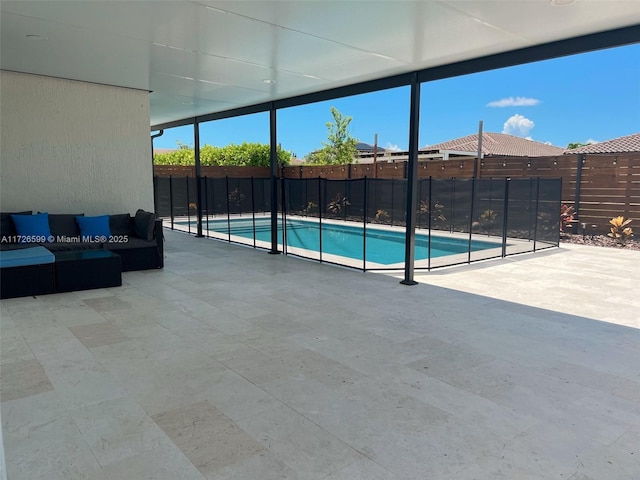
{"x":561,"y":3}
{"x":35,"y":37}
{"x":269,"y":81}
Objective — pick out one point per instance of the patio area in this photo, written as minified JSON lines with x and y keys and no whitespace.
{"x":234,"y":364}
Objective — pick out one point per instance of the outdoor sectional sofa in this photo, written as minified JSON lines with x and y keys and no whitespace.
{"x":79,"y":251}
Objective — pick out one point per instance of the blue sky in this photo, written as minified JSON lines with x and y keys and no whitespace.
{"x":589,"y":97}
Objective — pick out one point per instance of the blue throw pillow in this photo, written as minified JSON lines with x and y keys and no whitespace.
{"x":94,"y":226}
{"x":32,"y":228}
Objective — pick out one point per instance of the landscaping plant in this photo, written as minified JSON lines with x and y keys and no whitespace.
{"x":382,"y":216}
{"x":310,"y":208}
{"x":566,"y":216}
{"x":336,"y":205}
{"x":487,"y":218}
{"x":236,"y":197}
{"x":619,"y":230}
{"x":437,"y":217}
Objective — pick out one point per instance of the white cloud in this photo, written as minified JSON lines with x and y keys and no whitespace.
{"x":392,"y":146}
{"x":514,"y":102}
{"x":591,"y":141}
{"x":518,"y":125}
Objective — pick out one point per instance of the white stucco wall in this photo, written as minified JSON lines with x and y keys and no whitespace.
{"x":73,"y":147}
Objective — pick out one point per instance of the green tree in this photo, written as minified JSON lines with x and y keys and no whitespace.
{"x":571,"y":146}
{"x":246,"y":154}
{"x":340,"y":148}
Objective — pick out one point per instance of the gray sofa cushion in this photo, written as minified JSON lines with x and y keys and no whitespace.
{"x":64,"y":224}
{"x":120,"y":224}
{"x":144,"y":224}
{"x":7,"y":228}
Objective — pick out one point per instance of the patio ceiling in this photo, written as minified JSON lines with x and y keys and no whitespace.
{"x":205,"y":56}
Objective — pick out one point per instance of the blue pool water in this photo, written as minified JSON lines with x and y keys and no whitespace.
{"x":384,"y":247}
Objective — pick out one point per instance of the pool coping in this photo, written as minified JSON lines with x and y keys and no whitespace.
{"x":514,"y":245}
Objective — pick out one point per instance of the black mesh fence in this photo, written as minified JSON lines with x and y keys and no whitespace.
{"x":547,"y":213}
{"x":521,"y":209}
{"x":488,"y":206}
{"x":387,"y":201}
{"x":162,"y":196}
{"x":360,"y":223}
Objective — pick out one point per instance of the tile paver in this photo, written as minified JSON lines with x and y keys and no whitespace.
{"x":233,"y":364}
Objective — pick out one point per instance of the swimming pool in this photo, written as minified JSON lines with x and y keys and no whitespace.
{"x":383,"y":246}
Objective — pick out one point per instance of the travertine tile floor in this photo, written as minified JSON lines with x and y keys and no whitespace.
{"x":234,"y":364}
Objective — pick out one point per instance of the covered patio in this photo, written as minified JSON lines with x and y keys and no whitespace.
{"x":234,"y":364}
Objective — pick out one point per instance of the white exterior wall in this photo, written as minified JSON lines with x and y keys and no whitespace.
{"x":73,"y":147}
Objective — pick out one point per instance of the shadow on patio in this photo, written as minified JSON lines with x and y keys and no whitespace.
{"x":231,"y":363}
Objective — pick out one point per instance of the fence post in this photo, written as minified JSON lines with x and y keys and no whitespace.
{"x":576,"y":203}
{"x":453,"y":204}
{"x":320,"y":215}
{"x":559,"y":206}
{"x":283,"y":199}
{"x":253,"y":211}
{"x":535,"y":225}
{"x":392,"y":195}
{"x":188,"y":209}
{"x":364,"y":227}
{"x":206,"y":201}
{"x":473,"y":199}
{"x":505,"y":217}
{"x":430,"y":214}
{"x":171,"y":199}
{"x":228,"y":208}
{"x":347,"y":191}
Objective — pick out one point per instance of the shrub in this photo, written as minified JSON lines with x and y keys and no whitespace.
{"x":336,"y":205}
{"x":488,"y":217}
{"x":437,"y":215}
{"x":310,"y":209}
{"x":566,"y":217}
{"x":487,"y":221}
{"x":236,"y":197}
{"x":619,"y":229}
{"x":382,"y":216}
{"x":246,"y":154}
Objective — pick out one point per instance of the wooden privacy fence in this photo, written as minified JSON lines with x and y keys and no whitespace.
{"x":599,"y":187}
{"x":211,"y":172}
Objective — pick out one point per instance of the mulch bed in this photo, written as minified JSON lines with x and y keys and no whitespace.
{"x":599,"y":241}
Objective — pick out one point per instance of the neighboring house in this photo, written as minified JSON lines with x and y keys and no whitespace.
{"x":367,"y":148}
{"x":367,"y":152}
{"x":496,"y":144}
{"x":463,"y":148}
{"x":627,"y":144}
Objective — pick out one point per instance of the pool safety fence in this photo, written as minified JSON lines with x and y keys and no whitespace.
{"x":349,"y":217}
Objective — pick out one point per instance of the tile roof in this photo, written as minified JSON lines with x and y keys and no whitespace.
{"x":630,"y":143}
{"x":494,"y":144}
{"x":366,"y":147}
